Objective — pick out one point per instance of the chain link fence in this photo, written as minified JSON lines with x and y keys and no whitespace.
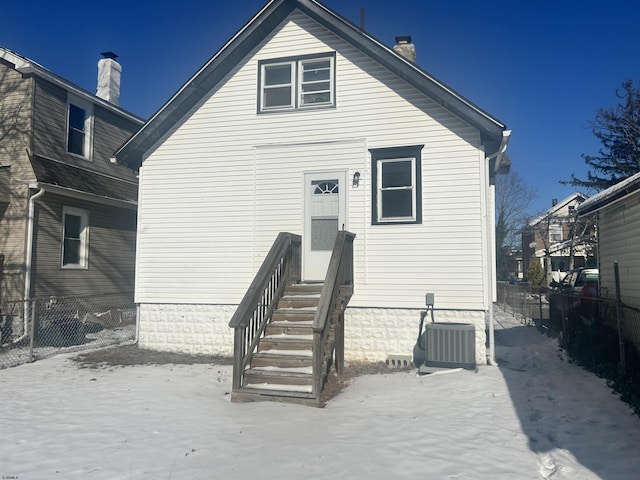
{"x":530,"y":304}
{"x":41,"y":327}
{"x":598,"y":333}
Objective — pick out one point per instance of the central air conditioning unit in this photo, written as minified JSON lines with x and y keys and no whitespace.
{"x":450,"y":345}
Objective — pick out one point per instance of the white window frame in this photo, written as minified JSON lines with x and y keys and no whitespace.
{"x":555,"y":230}
{"x":87,"y":150}
{"x":83,"y":250}
{"x":301,"y":83}
{"x":379,"y":158}
{"x":297,"y":75}
{"x":382,"y":189}
{"x":263,"y":87}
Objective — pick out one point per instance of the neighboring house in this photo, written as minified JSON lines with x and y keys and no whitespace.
{"x":306,"y":124}
{"x":617,"y":212}
{"x":67,"y":211}
{"x":554,"y":233}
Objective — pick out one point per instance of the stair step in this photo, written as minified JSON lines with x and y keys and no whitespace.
{"x":282,"y":359}
{"x":293,"y":314}
{"x":303,"y":289}
{"x":267,"y":392}
{"x":279,"y":388}
{"x":304,"y":327}
{"x":278,"y":376}
{"x":298,"y":301}
{"x":286,"y":342}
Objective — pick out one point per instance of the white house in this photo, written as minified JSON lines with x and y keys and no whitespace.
{"x":301,"y":102}
{"x":618,"y":218}
{"x":553,"y":233}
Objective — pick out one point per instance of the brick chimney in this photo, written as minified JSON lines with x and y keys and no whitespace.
{"x":109,"y":71}
{"x":405,"y":48}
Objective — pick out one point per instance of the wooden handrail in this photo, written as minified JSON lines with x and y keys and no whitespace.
{"x":336,"y":291}
{"x":282,"y":245}
{"x":339,"y":273}
{"x":281,"y":267}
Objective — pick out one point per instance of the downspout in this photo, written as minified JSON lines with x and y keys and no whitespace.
{"x":136,"y":340}
{"x":506,"y":135}
{"x":28,"y":257}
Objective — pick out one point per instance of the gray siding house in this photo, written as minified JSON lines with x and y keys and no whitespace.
{"x":67,"y":210}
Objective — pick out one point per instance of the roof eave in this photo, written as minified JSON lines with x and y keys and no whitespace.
{"x":29,"y":67}
{"x":617,"y":193}
{"x":85,"y":196}
{"x":261,"y":25}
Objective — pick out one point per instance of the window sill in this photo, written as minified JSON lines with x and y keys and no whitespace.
{"x":74,"y":267}
{"x":298,"y":110}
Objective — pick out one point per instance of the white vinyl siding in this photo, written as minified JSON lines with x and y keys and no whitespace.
{"x":618,"y":228}
{"x":216,"y":192}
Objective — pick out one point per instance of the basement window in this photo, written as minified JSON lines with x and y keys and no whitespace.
{"x":397,"y":193}
{"x":296,"y":83}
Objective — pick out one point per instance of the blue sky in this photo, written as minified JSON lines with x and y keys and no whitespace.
{"x":541,"y":67}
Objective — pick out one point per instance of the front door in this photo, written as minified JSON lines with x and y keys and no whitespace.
{"x":324,"y":215}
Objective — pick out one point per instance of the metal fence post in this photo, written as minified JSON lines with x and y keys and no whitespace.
{"x":618,"y":319}
{"x":32,"y":329}
{"x":540,"y":292}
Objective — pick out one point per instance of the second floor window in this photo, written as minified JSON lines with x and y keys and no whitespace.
{"x":297,"y":83}
{"x":555,"y":233}
{"x":79,"y":128}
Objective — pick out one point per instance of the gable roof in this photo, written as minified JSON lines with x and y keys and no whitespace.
{"x":611,"y":195}
{"x":254,"y":32}
{"x":576,"y":196}
{"x":27,"y":66}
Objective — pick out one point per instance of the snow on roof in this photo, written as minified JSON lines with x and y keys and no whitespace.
{"x":610,"y":195}
{"x":557,"y":206}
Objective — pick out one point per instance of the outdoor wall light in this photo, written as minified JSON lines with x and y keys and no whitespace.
{"x":356,"y":180}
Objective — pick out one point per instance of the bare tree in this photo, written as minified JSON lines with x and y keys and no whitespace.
{"x":513,"y":199}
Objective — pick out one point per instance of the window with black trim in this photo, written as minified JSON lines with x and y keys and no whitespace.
{"x":75,"y":237}
{"x":296,"y":83}
{"x":397,"y":190}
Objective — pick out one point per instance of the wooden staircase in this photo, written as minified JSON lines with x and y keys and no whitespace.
{"x":283,"y":362}
{"x":288,"y":334}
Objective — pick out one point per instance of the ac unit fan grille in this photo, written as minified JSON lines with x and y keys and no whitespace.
{"x":450,"y":345}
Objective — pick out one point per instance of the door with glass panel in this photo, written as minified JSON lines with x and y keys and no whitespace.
{"x":324,"y":215}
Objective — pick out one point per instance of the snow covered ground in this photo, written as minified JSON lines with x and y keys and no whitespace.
{"x":535,"y":417}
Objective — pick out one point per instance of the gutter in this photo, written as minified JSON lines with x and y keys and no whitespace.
{"x":498,"y":156}
{"x":29,"y":257}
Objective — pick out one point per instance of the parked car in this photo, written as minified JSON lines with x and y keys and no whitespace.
{"x":572,"y":295}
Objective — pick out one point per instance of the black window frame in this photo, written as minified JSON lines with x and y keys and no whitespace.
{"x":396,"y":153}
{"x":296,"y":63}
